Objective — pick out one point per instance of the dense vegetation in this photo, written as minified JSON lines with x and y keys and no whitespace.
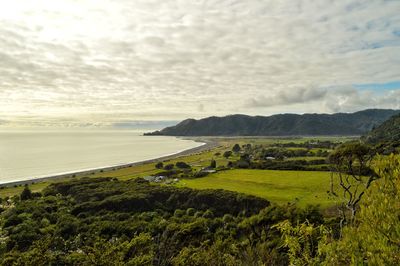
{"x":109,"y":222}
{"x":386,"y":136}
{"x":308,"y":155}
{"x":281,"y":125}
{"x":371,"y":237}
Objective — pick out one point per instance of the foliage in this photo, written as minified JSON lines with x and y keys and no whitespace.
{"x":26,"y":193}
{"x":182,"y":165}
{"x":236,"y":148}
{"x":302,"y":242}
{"x":159,"y":165}
{"x":374,"y":237}
{"x":169,"y":166}
{"x":103,"y":221}
{"x":351,"y":167}
{"x":213,"y":164}
{"x":227,"y":154}
{"x":387,"y":132}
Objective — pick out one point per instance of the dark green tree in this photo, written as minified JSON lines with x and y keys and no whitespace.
{"x":236,"y":148}
{"x":169,"y":166}
{"x":227,"y":154}
{"x":213,"y":164}
{"x":159,"y":165}
{"x":26,"y":193}
{"x":182,"y":165}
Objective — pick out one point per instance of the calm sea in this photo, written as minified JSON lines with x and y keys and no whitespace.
{"x":27,"y":155}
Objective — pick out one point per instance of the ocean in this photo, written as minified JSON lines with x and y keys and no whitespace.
{"x":26,"y":155}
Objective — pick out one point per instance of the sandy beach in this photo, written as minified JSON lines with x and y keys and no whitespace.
{"x":207,"y":144}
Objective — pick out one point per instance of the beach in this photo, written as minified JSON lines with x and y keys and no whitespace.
{"x":206,"y":144}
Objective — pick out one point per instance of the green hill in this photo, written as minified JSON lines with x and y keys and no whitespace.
{"x":387,"y":132}
{"x":357,"y":123}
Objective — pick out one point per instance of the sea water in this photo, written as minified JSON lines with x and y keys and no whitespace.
{"x":26,"y":155}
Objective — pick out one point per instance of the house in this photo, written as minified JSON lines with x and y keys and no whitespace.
{"x":208,"y":170}
{"x":159,"y":178}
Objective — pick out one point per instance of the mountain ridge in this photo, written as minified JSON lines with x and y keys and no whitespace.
{"x":357,"y":123}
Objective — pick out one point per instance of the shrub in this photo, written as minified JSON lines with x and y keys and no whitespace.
{"x":159,"y":165}
{"x":182,"y":165}
{"x":169,"y":166}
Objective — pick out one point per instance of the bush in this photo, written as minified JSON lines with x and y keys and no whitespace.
{"x":159,"y":165}
{"x":236,"y":148}
{"x":182,"y":165}
{"x":169,"y":166}
{"x":208,"y":214}
{"x":227,"y":154}
{"x":26,"y":193}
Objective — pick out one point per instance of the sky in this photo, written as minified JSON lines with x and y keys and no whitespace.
{"x":101,"y":63}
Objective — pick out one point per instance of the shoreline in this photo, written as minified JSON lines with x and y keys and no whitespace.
{"x":207,"y":144}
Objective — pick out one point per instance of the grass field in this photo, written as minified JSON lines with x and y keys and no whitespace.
{"x":202,"y":159}
{"x":303,"y":187}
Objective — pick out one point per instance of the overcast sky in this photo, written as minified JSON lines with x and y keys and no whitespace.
{"x":65,"y":62}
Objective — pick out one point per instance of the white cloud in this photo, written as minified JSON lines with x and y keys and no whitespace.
{"x":103,"y":61}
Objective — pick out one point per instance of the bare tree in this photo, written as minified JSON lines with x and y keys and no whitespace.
{"x":351,"y":177}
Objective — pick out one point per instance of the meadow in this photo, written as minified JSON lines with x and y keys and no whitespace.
{"x":304,"y":187}
{"x":300,"y":187}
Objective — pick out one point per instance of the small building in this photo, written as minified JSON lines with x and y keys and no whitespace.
{"x":208,"y":170}
{"x":159,"y":178}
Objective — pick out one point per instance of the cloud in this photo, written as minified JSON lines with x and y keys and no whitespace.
{"x":289,"y":96}
{"x":116,"y":60}
{"x":339,"y":99}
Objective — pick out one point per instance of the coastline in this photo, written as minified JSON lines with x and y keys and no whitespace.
{"x":207,"y":144}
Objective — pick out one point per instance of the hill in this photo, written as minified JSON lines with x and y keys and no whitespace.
{"x":387,"y":132}
{"x":357,"y":123}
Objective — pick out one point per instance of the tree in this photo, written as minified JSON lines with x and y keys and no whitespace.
{"x":227,"y":154}
{"x":375,"y":238}
{"x":26,"y":193}
{"x":159,"y":165}
{"x":169,"y":166}
{"x":182,"y":165}
{"x":236,"y":148}
{"x":351,"y":167}
{"x":213,"y":164}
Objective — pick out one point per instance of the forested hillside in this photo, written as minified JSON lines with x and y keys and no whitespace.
{"x":357,"y":123}
{"x":389,"y":131}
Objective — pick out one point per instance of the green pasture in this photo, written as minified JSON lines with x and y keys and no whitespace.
{"x":197,"y":160}
{"x":302,"y":187}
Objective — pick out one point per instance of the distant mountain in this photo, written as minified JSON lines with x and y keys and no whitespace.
{"x":357,"y":123}
{"x":387,"y":132}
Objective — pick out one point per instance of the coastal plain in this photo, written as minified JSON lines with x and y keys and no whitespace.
{"x":278,"y":186}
